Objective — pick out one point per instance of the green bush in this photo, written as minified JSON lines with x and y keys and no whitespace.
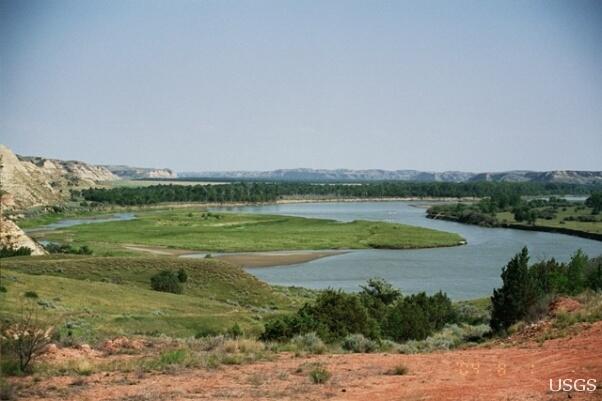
{"x":235,"y":331}
{"x":166,"y":281}
{"x":407,"y":320}
{"x":309,"y":342}
{"x":65,"y":248}
{"x":360,"y":344}
{"x":6,"y":252}
{"x":377,"y":311}
{"x":470,"y":314}
{"x":332,"y":316}
{"x":319,"y":375}
{"x":182,"y":276}
{"x":526,"y":290}
{"x":30,"y":294}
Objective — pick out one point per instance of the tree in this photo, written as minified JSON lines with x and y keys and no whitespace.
{"x":166,"y":281}
{"x":512,"y":301}
{"x":594,"y":274}
{"x":595,"y":202}
{"x":377,"y":295}
{"x":576,"y":273}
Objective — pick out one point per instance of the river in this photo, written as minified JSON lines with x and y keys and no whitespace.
{"x":463,"y":272}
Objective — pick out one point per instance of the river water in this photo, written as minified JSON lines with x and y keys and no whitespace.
{"x":464,"y":272}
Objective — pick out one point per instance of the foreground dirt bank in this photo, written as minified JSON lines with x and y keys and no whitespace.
{"x":502,"y":372}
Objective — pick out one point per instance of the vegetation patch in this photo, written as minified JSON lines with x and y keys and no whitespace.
{"x":227,"y":232}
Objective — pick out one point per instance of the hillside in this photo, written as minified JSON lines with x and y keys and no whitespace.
{"x":35,"y":181}
{"x":341,"y":175}
{"x":106,"y":296}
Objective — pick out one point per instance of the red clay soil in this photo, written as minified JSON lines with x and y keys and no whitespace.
{"x":502,"y":372}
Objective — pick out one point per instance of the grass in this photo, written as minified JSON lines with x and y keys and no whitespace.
{"x":95,"y":297}
{"x":559,"y":220}
{"x":195,"y":229}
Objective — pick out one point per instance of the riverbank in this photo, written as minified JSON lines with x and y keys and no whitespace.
{"x":244,"y":259}
{"x":40,"y":217}
{"x":525,"y":227}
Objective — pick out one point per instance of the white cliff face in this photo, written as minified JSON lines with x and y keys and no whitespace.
{"x":11,"y":236}
{"x":127,"y":172}
{"x":35,"y":181}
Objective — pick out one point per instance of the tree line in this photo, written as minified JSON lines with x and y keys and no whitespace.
{"x":504,"y":192}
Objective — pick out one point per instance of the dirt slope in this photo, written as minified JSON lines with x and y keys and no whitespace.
{"x":36,"y":181}
{"x":521,"y":372}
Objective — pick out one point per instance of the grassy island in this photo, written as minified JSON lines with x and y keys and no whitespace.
{"x":228,"y":232}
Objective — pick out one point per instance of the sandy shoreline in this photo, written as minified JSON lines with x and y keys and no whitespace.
{"x":244,"y":259}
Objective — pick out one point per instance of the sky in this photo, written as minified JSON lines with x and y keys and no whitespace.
{"x":261,"y":85}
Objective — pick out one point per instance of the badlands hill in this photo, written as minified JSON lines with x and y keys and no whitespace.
{"x":128,"y":172}
{"x":342,"y":175}
{"x":35,"y":181}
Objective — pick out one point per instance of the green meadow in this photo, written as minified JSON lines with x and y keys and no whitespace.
{"x":195,"y":229}
{"x":568,"y":217}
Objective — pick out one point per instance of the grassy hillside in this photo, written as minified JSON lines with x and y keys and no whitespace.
{"x":93,"y":297}
{"x":226,"y":232}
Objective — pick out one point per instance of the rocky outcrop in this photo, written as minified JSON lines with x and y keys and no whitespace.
{"x":11,"y":236}
{"x":35,"y":181}
{"x":127,"y":172}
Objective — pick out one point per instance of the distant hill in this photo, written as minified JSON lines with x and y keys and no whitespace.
{"x":127,"y":172}
{"x":341,"y":175}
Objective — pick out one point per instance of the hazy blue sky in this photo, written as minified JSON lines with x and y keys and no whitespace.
{"x":223,"y":85}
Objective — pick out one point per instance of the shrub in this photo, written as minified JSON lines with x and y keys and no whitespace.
{"x":309,"y":342}
{"x":359,"y":343}
{"x":235,"y":331}
{"x":66,"y":248}
{"x":169,"y":359}
{"x":319,"y":375}
{"x":470,"y":314}
{"x":182,"y":276}
{"x":23,"y":341}
{"x":407,"y":320}
{"x":30,"y":294}
{"x":6,"y":251}
{"x":166,"y":281}
{"x":398,"y":370}
{"x":332,"y":316}
{"x":450,"y":337}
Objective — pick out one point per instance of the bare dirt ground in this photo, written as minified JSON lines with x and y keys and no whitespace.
{"x":510,"y":370}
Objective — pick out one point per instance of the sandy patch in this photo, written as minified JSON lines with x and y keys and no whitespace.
{"x":495,"y":373}
{"x":268,"y":259}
